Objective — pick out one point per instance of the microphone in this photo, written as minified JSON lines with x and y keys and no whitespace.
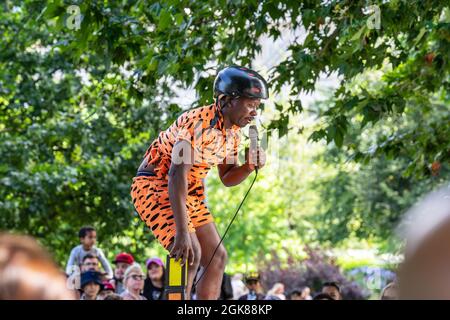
{"x":253,"y":136}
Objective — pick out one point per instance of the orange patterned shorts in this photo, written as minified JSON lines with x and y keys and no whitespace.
{"x":150,"y":196}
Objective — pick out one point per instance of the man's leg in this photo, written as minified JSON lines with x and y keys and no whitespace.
{"x":209,"y":286}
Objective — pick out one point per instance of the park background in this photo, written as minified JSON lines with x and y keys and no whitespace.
{"x":357,"y":124}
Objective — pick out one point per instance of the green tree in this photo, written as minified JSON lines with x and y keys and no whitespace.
{"x":72,"y":137}
{"x":182,"y":41}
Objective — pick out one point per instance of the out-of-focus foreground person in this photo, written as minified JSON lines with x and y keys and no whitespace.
{"x":425,"y":272}
{"x":27,"y":271}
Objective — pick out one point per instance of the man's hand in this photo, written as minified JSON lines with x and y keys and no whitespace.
{"x":250,"y":158}
{"x":182,"y":248}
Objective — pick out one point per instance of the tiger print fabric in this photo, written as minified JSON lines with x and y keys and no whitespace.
{"x":204,"y":129}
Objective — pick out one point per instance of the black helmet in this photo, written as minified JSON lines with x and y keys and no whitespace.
{"x":238,"y":81}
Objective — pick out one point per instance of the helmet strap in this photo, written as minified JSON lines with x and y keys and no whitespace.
{"x":220,"y":98}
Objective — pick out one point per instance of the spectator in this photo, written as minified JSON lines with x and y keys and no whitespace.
{"x":425,"y":271}
{"x":108,"y":289}
{"x":333,"y":290}
{"x":27,"y":271}
{"x":323,"y":296}
{"x":252,"y":281}
{"x":390,"y":292}
{"x":306,"y":293}
{"x":277,"y":292}
{"x":91,"y":284}
{"x":239,"y":288}
{"x":296,"y":294}
{"x":122,"y":261}
{"x":89,"y":263}
{"x":133,"y":281}
{"x":88,"y":238}
{"x":154,"y":283}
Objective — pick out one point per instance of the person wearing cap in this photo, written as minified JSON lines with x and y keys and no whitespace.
{"x":122,"y":261}
{"x":168,"y":191}
{"x":90,"y":284}
{"x":252,"y":282}
{"x":107,"y":290}
{"x":154,"y":283}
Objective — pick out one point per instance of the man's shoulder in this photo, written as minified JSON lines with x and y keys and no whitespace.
{"x":199,"y":114}
{"x":206,"y":109}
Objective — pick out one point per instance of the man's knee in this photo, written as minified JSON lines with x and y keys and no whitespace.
{"x":220,"y":258}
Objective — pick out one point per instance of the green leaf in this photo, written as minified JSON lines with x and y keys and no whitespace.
{"x":179,"y":18}
{"x":165,"y":19}
{"x":359,"y":33}
{"x":338,"y":138}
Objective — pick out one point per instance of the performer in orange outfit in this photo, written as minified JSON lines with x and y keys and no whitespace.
{"x":168,"y":191}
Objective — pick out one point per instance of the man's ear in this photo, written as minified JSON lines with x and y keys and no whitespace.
{"x":225,"y":101}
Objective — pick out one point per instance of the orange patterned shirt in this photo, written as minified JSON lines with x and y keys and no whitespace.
{"x":204,"y":129}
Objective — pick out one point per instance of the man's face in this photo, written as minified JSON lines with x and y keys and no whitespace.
{"x":252,"y":285}
{"x":243,"y":110}
{"x":120,"y":270}
{"x":89,"y":240}
{"x":332,"y":292}
{"x":90,"y":264}
{"x":91,"y":289}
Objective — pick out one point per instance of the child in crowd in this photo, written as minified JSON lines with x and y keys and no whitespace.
{"x":88,"y":237}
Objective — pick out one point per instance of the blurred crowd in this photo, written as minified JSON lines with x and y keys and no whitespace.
{"x":27,"y":271}
{"x":90,"y":276}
